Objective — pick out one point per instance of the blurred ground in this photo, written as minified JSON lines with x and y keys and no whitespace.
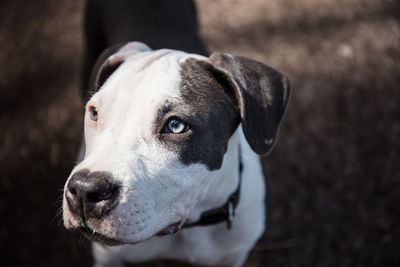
{"x":333,"y":178}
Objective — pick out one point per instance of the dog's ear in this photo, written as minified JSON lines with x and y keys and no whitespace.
{"x":110,"y":59}
{"x":262,"y":94}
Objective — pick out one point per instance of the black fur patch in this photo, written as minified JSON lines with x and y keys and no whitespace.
{"x":209,"y":108}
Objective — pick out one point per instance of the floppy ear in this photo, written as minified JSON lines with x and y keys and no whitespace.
{"x":262,"y":94}
{"x":110,"y":59}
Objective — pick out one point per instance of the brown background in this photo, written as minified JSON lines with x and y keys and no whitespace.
{"x":333,"y":178}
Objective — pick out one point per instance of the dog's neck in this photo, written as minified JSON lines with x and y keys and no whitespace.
{"x":226,"y":180}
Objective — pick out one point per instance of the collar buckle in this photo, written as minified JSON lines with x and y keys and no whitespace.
{"x":231,"y":214}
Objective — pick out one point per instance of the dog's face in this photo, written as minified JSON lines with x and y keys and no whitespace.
{"x":156,"y":133}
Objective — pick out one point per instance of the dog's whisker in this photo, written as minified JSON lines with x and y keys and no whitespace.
{"x":57,"y":216}
{"x":57,"y":202}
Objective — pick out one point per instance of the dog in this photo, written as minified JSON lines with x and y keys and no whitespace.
{"x":171,"y":165}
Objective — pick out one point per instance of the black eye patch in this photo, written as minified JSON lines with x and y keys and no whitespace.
{"x":202,"y":120}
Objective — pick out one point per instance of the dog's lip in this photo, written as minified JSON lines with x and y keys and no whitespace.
{"x":97,"y":237}
{"x":170,"y":229}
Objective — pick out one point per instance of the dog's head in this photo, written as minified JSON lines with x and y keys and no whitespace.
{"x":156,"y":131}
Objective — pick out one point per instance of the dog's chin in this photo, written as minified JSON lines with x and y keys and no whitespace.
{"x":94,"y":236}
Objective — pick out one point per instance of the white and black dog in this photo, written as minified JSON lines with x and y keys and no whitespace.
{"x":171,"y":167}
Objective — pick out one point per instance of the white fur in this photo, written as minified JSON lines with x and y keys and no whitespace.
{"x":157,"y":188}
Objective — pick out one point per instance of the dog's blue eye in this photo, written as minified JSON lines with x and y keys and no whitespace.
{"x":176,"y":126}
{"x":93,"y":113}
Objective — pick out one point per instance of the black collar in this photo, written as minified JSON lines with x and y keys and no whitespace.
{"x":226,"y":212}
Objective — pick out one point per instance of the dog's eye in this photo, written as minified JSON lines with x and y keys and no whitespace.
{"x":93,"y":113}
{"x":175,"y":126}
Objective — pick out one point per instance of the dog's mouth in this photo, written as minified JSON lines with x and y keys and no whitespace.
{"x":98,"y":237}
{"x":170,"y":229}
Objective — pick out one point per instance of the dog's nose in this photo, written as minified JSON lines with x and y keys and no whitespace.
{"x":91,"y":194}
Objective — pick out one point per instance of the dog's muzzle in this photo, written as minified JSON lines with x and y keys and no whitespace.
{"x":91,"y":194}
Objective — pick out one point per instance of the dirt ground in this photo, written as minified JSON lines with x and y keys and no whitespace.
{"x":333,"y":177}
